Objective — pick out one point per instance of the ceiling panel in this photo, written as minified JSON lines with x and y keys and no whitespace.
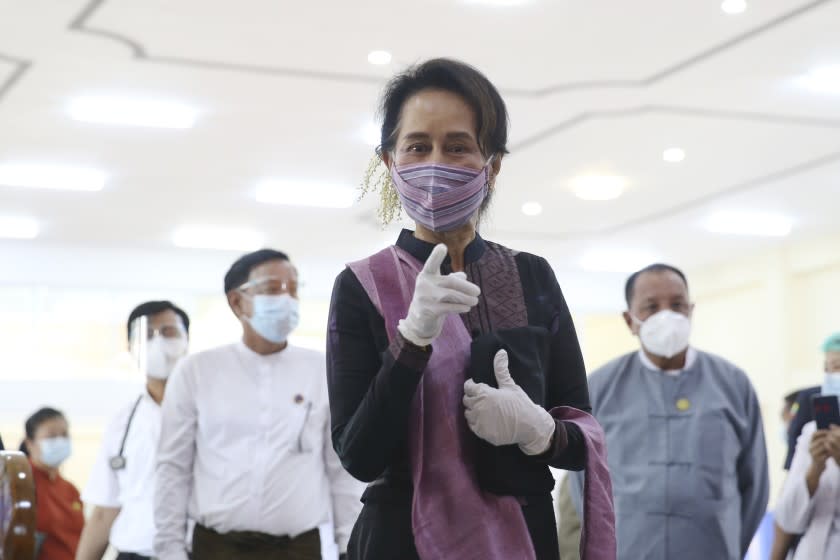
{"x":284,"y":92}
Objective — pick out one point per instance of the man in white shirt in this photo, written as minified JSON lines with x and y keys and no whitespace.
{"x":245,"y":446}
{"x":123,"y":475}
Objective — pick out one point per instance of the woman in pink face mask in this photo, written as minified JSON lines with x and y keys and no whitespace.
{"x":454,"y":370}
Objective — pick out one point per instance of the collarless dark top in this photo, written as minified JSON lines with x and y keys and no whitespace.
{"x":372,"y":380}
{"x":804,"y":414}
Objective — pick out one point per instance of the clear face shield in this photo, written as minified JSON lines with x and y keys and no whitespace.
{"x":156,"y":350}
{"x":270,"y":286}
{"x":138,"y":345}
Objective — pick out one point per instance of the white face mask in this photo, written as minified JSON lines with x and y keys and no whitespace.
{"x":665,"y":333}
{"x":162,"y":354}
{"x":274,"y":317}
{"x":831,"y":384}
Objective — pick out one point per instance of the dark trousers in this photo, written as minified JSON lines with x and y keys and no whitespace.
{"x":132,"y":556}
{"x":249,"y":545}
{"x":383,"y":529}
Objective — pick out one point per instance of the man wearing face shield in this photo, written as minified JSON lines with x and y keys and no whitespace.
{"x":685,"y":439}
{"x":120,"y":487}
{"x":246,"y":429}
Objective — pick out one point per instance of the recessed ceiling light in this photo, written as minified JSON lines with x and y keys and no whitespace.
{"x":371,"y":134}
{"x":598,"y":187}
{"x":673,"y":155}
{"x":822,"y":80}
{"x":617,"y":260}
{"x":58,"y":177}
{"x":733,"y":7}
{"x":221,"y":238}
{"x":379,"y":58}
{"x":12,"y":227}
{"x":303,"y":193}
{"x":126,"y":111}
{"x":532,"y":208}
{"x":749,"y":223}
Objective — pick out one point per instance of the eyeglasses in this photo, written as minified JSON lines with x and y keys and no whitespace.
{"x":166,"y":331}
{"x":271,"y":286}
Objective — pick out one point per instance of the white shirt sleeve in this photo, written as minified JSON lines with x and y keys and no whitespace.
{"x":176,"y":454}
{"x":346,"y":492}
{"x":103,"y":488}
{"x":795,"y":506}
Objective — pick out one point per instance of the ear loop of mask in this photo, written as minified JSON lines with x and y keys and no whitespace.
{"x":488,"y":190}
{"x":250,"y":298}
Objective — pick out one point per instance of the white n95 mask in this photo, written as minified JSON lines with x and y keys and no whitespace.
{"x":665,"y":333}
{"x":162,"y":354}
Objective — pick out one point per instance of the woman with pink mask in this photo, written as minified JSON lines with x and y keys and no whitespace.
{"x":454,"y":370}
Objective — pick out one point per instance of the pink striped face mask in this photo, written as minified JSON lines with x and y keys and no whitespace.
{"x":441,"y":197}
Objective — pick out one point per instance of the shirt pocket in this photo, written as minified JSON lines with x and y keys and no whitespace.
{"x":304,"y":427}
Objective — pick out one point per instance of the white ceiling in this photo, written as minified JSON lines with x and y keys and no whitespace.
{"x":285,"y":91}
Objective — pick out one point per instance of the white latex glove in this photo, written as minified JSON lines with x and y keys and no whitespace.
{"x":435,"y":296}
{"x":507,"y":415}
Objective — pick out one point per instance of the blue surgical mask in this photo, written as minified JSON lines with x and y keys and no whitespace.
{"x":274,"y":317}
{"x":54,"y":451}
{"x":783,"y":434}
{"x":831,"y":384}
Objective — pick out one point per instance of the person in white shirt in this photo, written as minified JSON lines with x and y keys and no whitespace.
{"x":245,"y":446}
{"x":810,"y":499}
{"x":124,"y":471}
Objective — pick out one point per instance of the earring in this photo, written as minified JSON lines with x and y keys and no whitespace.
{"x":377,"y":178}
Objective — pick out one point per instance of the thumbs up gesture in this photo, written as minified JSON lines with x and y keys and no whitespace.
{"x":435,"y":296}
{"x":507,"y":415}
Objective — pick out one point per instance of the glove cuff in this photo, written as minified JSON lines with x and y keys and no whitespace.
{"x":408,"y":333}
{"x":543,"y":432}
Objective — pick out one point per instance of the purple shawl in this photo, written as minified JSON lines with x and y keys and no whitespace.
{"x":452,"y":518}
{"x":597,"y":536}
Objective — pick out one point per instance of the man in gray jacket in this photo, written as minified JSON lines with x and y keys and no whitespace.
{"x":685,"y":441}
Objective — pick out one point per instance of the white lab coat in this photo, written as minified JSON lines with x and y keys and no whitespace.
{"x":797,"y":512}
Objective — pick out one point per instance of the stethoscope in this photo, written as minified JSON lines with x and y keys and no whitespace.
{"x":118,"y":461}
